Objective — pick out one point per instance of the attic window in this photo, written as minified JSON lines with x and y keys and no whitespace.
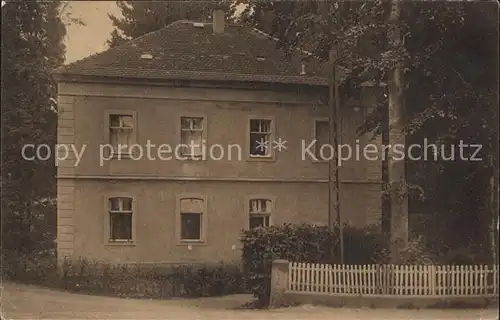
{"x":198,"y":24}
{"x":147,"y":56}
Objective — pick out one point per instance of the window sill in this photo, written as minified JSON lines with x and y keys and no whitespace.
{"x":123,"y":156}
{"x":192,"y":243}
{"x":252,"y":158}
{"x":320,"y":161}
{"x":190,"y":158}
{"x":126,"y":243}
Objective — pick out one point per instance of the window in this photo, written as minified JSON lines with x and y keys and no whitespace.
{"x":322,"y":131}
{"x":120,"y":131}
{"x":120,"y":219}
{"x":191,"y":219}
{"x":192,"y":136}
{"x":260,"y":138}
{"x":259,"y":213}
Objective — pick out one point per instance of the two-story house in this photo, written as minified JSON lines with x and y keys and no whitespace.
{"x":231,"y":92}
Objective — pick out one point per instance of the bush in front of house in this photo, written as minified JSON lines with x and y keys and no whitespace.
{"x":135,"y":281}
{"x":302,"y":243}
{"x":207,"y":280}
{"x":416,"y":252}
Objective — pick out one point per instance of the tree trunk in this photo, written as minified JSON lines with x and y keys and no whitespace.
{"x":495,"y":193}
{"x":493,"y":222}
{"x":493,"y":207}
{"x":396,"y":167}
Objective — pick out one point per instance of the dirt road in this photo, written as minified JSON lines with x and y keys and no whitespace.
{"x":29,"y":302}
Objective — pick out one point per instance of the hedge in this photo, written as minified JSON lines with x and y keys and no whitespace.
{"x":302,"y":243}
{"x":133,"y":281}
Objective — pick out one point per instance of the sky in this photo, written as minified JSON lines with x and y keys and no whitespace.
{"x":82,"y":41}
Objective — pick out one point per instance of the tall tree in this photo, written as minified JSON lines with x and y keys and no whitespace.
{"x":397,"y":167}
{"x":32,"y":46}
{"x":451,"y":99}
{"x":141,"y":17}
{"x":359,"y":27}
{"x":449,"y":93}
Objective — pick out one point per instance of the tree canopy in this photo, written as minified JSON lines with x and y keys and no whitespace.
{"x":447,"y":53}
{"x":32,"y":46}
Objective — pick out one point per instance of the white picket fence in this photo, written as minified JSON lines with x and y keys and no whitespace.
{"x":405,"y":280}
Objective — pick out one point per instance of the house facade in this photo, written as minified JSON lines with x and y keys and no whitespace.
{"x":208,"y":147}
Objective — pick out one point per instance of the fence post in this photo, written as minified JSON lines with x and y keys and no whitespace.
{"x":433,"y":279}
{"x":279,"y":282}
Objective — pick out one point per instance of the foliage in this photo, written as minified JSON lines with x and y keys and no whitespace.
{"x":133,"y":281}
{"x":196,"y":280}
{"x":450,"y":91}
{"x":141,"y":17}
{"x":459,"y":105}
{"x":67,"y":17}
{"x":415,"y":253}
{"x":437,"y":246}
{"x":301,"y":243}
{"x":357,"y":31}
{"x":39,"y":269}
{"x":208,"y":280}
{"x":32,"y":46}
{"x":420,"y":251}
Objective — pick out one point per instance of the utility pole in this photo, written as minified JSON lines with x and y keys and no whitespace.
{"x":334,"y":140}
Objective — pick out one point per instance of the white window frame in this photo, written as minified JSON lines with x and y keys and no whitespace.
{"x":186,"y":152}
{"x":107,"y":220}
{"x":108,"y":130}
{"x":270,"y":156}
{"x":203,"y":219}
{"x":269,"y":213}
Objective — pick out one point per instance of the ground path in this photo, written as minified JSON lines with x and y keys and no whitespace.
{"x":30,"y":302}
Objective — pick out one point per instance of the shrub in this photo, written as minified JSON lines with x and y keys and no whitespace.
{"x":415,"y":253}
{"x":465,"y":256}
{"x":301,"y":243}
{"x":134,"y":281}
{"x":208,"y":280}
{"x":31,"y":269}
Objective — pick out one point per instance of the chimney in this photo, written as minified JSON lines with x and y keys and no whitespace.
{"x":218,"y":21}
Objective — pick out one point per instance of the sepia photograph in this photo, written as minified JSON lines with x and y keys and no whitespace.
{"x":250,"y":159}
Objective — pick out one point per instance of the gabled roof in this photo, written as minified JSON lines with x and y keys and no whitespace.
{"x":185,"y":50}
